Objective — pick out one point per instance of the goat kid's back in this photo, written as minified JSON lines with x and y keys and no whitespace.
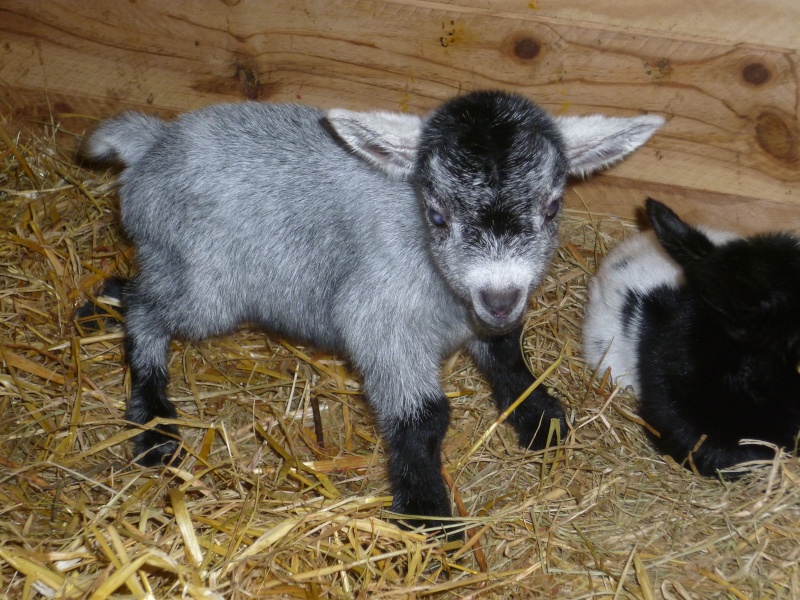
{"x":254,"y":212}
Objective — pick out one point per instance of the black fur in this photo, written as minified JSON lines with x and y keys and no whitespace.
{"x":501,"y":222}
{"x":633,"y":304}
{"x":414,"y":448}
{"x":93,"y":316}
{"x":489,"y":143}
{"x":479,"y":143}
{"x":146,"y":345}
{"x":148,"y":399}
{"x":501,"y":362}
{"x":719,"y":357}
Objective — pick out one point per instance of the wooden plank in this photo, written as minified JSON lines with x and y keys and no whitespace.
{"x":731,"y":97}
{"x":607,"y":195}
{"x":766,"y":23}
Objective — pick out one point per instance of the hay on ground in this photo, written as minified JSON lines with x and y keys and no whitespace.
{"x":264,"y":507}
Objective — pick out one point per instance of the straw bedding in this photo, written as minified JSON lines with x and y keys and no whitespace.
{"x":277,"y":502}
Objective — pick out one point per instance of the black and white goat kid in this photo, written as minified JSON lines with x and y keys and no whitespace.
{"x":391,"y":239}
{"x":704,"y":326}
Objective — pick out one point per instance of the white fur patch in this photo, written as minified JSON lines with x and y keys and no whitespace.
{"x":498,"y":275}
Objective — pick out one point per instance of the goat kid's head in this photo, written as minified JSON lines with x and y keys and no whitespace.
{"x":490,"y":169}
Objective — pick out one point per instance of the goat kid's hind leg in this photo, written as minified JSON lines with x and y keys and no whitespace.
{"x":414,"y":447}
{"x":146,"y":345}
{"x":91,"y":316}
{"x":501,"y":362}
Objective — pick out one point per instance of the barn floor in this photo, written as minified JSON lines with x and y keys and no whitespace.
{"x":263,"y":507}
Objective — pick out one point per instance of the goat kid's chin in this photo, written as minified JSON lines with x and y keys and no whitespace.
{"x":493,"y":325}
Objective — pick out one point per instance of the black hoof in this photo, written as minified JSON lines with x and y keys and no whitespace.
{"x":158,"y":447}
{"x":533,"y":423}
{"x":449,"y":531}
{"x":94,"y":317}
{"x":427,"y":513}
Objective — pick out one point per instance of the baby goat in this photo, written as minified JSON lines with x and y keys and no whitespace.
{"x":391,"y":239}
{"x":704,"y":326}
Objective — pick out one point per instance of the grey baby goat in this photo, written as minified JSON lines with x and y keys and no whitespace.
{"x":392,"y":239}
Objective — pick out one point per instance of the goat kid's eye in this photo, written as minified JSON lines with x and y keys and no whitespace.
{"x":551,"y":210}
{"x":436,"y":218}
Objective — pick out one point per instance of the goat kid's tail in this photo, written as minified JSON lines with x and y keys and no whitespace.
{"x":126,"y":138}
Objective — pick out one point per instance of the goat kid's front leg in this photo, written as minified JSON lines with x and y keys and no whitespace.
{"x":501,"y":362}
{"x":146,"y":346}
{"x":414,"y":446}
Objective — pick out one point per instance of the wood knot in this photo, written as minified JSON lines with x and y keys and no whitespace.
{"x":756,"y":73}
{"x":249,"y":81}
{"x":527,"y":48}
{"x":777,"y":137}
{"x":522,"y":48}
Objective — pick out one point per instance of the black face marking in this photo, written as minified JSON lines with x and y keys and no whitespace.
{"x":501,"y":222}
{"x":488,"y":148}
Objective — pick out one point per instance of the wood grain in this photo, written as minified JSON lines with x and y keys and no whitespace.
{"x":724,"y":73}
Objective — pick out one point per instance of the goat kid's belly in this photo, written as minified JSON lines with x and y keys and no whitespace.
{"x":203,"y":294}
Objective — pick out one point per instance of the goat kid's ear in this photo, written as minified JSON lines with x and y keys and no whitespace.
{"x":692,"y":250}
{"x":689,"y":246}
{"x":596,"y":142}
{"x":387,"y":140}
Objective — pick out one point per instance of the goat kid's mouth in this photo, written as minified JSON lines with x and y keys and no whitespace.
{"x":495,"y":325}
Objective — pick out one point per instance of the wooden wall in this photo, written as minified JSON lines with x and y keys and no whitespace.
{"x":723,"y":72}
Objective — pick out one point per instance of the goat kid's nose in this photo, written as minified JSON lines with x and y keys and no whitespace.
{"x":500,"y":302}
